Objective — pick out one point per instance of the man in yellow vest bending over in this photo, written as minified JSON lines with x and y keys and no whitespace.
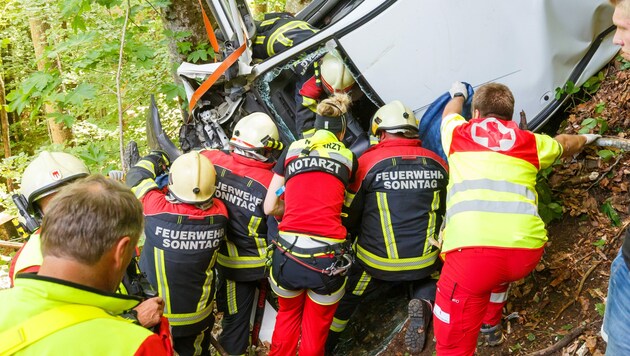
{"x":88,"y":237}
{"x":493,"y":234}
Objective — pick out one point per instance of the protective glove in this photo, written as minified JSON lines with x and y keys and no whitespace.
{"x":458,"y":88}
{"x":590,"y":138}
{"x":164,"y":159}
{"x":116,"y":175}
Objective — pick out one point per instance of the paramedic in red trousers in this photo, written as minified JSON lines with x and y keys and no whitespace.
{"x":308,"y":258}
{"x":395,"y":207}
{"x":243,"y":177}
{"x":184,"y":228}
{"x":88,"y":238}
{"x":42,"y":179}
{"x":331,"y":76}
{"x":493,"y":234}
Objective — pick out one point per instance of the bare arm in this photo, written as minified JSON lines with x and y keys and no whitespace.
{"x":454,"y":106}
{"x":571,"y":144}
{"x":273,"y":205}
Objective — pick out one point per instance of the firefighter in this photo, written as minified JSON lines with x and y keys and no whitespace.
{"x":184,"y":228}
{"x":88,"y":238}
{"x":395,"y":207}
{"x":41,"y":181}
{"x":493,"y":234}
{"x":243,"y":177}
{"x":331,"y":76}
{"x":309,"y":260}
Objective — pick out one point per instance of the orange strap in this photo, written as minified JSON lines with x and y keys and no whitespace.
{"x":215,"y":76}
{"x":210,"y":31}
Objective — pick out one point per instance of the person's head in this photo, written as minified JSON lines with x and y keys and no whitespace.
{"x":331,"y":114}
{"x":191,"y":179}
{"x":95,"y":222}
{"x":394,"y":119}
{"x":335,"y":75}
{"x":46,"y":174}
{"x":493,"y":100}
{"x":621,"y":19}
{"x":255,"y":136}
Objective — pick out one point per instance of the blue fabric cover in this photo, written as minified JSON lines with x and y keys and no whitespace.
{"x":429,"y":127}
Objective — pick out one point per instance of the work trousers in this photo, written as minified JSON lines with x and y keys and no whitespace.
{"x":616,"y":327}
{"x":235,"y":299}
{"x":472,"y":291}
{"x":193,"y":345}
{"x":307,"y":302}
{"x":359,"y":285}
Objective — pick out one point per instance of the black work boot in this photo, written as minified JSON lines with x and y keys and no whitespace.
{"x":419,"y":318}
{"x":492,"y":334}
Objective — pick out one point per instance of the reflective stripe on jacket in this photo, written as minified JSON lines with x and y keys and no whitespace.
{"x":242,"y":185}
{"x":279,"y":32}
{"x":396,"y":204}
{"x":492,"y":199}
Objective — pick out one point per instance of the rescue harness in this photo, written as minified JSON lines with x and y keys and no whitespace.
{"x":341,"y":251}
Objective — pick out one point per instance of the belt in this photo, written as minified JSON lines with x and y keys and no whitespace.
{"x":303,"y":244}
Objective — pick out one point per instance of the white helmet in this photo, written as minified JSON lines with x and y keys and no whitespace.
{"x":334,"y":74}
{"x":395,"y":118}
{"x":47,"y":173}
{"x":191,"y":178}
{"x":250,"y":131}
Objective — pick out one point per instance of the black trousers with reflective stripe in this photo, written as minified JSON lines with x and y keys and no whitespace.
{"x":360,"y":285}
{"x":194,"y":345}
{"x":236,"y":301}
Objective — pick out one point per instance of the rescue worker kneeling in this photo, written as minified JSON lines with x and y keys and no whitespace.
{"x":308,"y":261}
{"x":242,"y":181}
{"x":184,"y":228}
{"x":395,"y":207}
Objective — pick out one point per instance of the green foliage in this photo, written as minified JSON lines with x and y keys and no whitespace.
{"x":600,"y":308}
{"x":592,"y":84}
{"x":548,"y":208}
{"x":531,"y":337}
{"x":569,"y":89}
{"x":81,"y":56}
{"x":567,"y":327}
{"x":606,"y":155}
{"x":624,"y":63}
{"x":610,"y":211}
{"x":600,"y":243}
{"x":590,"y":123}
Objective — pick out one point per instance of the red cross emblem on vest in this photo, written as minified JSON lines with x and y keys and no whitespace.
{"x":493,"y":134}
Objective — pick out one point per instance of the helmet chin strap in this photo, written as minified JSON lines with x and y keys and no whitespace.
{"x":250,"y":154}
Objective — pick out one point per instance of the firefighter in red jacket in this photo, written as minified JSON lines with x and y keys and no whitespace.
{"x":243,"y":177}
{"x":493,"y":234}
{"x":184,"y":228}
{"x":309,"y":259}
{"x":395,"y":207}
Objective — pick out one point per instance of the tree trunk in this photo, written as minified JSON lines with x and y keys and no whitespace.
{"x":4,"y":123}
{"x":186,"y":16}
{"x":59,"y":133}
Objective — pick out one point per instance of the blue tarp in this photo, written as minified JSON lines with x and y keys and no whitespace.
{"x":429,"y":127}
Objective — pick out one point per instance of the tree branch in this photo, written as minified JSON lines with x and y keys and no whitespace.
{"x":121,"y":143}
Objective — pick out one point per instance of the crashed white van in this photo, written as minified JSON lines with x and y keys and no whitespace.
{"x":408,"y":50}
